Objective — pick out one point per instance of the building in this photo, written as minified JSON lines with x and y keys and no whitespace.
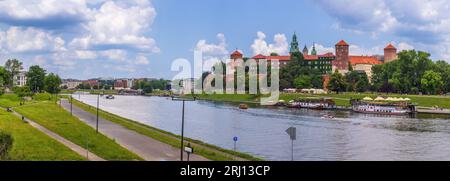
{"x":20,"y":79}
{"x":92,"y":83}
{"x":390,"y":53}
{"x":120,"y":84}
{"x":342,"y":56}
{"x":71,"y":84}
{"x":364,"y":64}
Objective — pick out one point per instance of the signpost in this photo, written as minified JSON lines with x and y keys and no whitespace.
{"x":235,"y":139}
{"x":189,"y":150}
{"x":292,"y":132}
{"x":182,"y":123}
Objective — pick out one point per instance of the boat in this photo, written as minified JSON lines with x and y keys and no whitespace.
{"x":313,"y":103}
{"x":327,"y":116}
{"x":109,"y":97}
{"x":387,"y":106}
{"x":243,"y":106}
{"x":293,"y":104}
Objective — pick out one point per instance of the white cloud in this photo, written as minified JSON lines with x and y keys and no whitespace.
{"x":213,"y":49}
{"x":115,"y":54}
{"x":404,"y":46}
{"x":82,"y":54}
{"x":142,"y":60}
{"x":424,"y":23}
{"x":260,"y":46}
{"x":322,"y":49}
{"x":120,"y":24}
{"x":31,"y":39}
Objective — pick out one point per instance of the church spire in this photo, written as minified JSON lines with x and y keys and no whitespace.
{"x":305,"y":50}
{"x":294,"y":44}
{"x":313,"y":51}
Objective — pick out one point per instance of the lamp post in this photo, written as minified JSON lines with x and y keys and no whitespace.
{"x":182,"y":123}
{"x":98,"y":104}
{"x":71,"y":102}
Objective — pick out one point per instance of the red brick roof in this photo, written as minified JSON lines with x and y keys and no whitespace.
{"x":328,"y":55}
{"x":236,"y":52}
{"x":259,"y":56}
{"x":390,"y":47}
{"x":364,"y":60}
{"x":311,"y":57}
{"x":280,"y":58}
{"x":342,"y":43}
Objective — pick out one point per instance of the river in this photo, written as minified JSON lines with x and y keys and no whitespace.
{"x":261,"y":131}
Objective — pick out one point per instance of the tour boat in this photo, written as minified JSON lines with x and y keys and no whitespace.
{"x":293,"y":104}
{"x":243,"y":106}
{"x":313,"y":103}
{"x":383,"y":107}
{"x":327,"y":116}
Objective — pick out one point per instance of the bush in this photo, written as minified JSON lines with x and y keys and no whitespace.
{"x":6,"y":142}
{"x":42,"y":97}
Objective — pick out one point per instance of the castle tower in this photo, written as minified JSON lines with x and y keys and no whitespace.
{"x":236,"y":55}
{"x":342,"y":55}
{"x":305,"y":50}
{"x":294,"y":45}
{"x":390,"y":53}
{"x":313,"y":51}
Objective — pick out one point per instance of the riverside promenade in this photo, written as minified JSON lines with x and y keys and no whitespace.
{"x":147,"y":148}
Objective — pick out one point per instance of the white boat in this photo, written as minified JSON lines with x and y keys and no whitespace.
{"x":387,"y":108}
{"x":109,"y":97}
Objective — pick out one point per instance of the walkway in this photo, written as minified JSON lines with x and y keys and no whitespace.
{"x":78,"y":149}
{"x":144,"y":146}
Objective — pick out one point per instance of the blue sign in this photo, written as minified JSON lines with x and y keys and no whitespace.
{"x":235,"y":138}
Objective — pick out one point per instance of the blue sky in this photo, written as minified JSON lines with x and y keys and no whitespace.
{"x":140,"y":38}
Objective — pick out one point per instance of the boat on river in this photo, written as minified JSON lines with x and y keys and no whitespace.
{"x":312,"y":103}
{"x":243,"y":106}
{"x":383,"y":106}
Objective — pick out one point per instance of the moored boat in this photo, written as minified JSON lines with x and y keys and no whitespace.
{"x":312,"y":103}
{"x":386,"y":106}
{"x":109,"y":97}
{"x":243,"y":106}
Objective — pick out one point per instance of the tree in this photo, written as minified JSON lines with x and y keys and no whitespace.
{"x":52,"y":83}
{"x":357,"y":81}
{"x":6,"y":143}
{"x":13,"y":67}
{"x":432,"y":82}
{"x":35,"y":78}
{"x":337,"y":82}
{"x":303,"y":82}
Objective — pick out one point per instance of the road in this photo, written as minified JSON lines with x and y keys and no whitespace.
{"x":147,"y":148}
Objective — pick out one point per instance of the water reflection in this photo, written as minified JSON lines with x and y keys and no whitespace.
{"x":261,"y":131}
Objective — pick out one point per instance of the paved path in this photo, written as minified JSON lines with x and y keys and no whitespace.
{"x":144,"y":146}
{"x":78,"y":149}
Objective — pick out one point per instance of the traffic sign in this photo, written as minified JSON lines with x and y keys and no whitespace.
{"x":235,"y":138}
{"x":292,"y":132}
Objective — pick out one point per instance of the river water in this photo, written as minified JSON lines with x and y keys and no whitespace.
{"x":261,"y":131}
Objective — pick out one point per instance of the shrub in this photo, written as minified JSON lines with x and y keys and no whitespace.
{"x":6,"y":142}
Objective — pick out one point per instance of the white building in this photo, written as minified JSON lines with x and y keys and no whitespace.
{"x":20,"y":79}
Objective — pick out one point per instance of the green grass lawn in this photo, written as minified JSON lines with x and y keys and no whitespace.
{"x":32,"y":145}
{"x":206,"y":150}
{"x":56,"y":119}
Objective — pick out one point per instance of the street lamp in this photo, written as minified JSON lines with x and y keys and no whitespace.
{"x":98,"y":102}
{"x":182,"y":123}
{"x":71,"y":102}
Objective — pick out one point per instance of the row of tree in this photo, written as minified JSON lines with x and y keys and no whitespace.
{"x":37,"y":79}
{"x":148,"y":85}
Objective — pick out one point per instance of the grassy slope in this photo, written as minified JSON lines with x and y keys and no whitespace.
{"x":32,"y":145}
{"x":61,"y":122}
{"x":208,"y":151}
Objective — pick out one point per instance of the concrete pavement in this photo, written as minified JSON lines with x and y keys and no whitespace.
{"x":144,"y":146}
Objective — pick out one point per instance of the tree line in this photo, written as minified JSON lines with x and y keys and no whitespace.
{"x":38,"y":80}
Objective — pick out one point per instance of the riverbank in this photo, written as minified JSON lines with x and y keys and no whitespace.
{"x":342,"y":99}
{"x":54,"y":118}
{"x":32,"y":145}
{"x":203,"y":149}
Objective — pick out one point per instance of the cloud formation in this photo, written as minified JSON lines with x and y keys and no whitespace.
{"x":260,"y":46}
